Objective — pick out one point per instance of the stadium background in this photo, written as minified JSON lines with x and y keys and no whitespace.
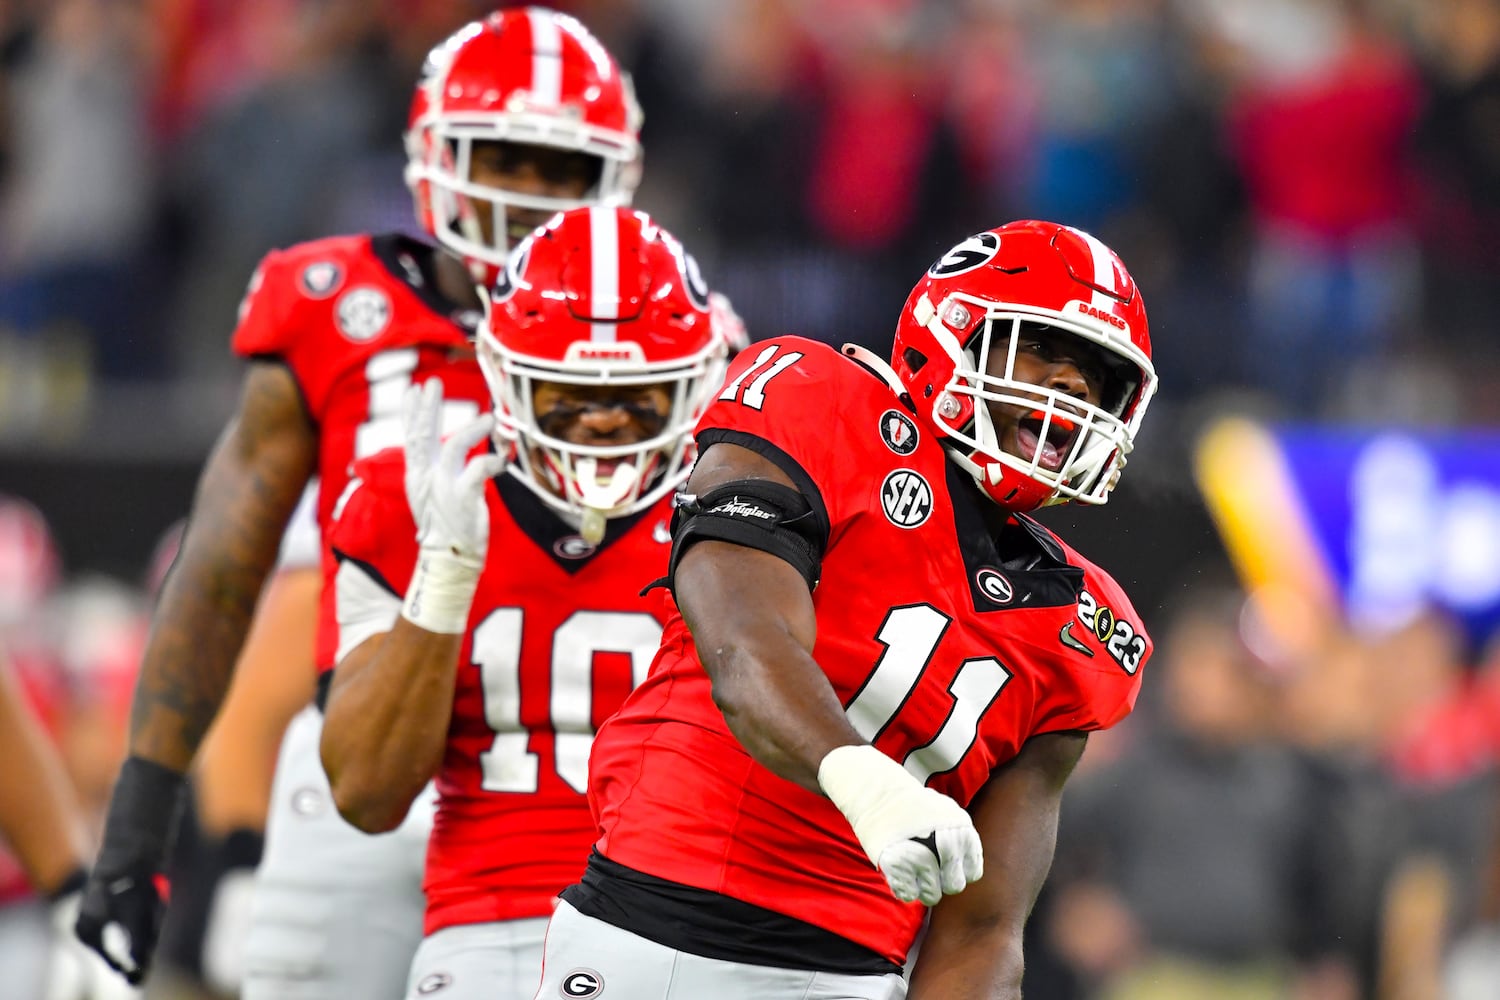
{"x":1307,"y":191}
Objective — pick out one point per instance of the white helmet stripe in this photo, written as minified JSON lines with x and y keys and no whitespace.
{"x":604,"y":239}
{"x":546,"y":58}
{"x":1104,"y":271}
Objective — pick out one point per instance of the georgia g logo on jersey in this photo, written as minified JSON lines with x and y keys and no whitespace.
{"x":973,"y":252}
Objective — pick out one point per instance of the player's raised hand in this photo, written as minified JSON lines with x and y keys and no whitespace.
{"x":923,"y":842}
{"x":445,"y":489}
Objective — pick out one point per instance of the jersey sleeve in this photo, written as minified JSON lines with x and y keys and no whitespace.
{"x":261,"y":329}
{"x":374,"y":543}
{"x":781,"y":399}
{"x":287,"y":318}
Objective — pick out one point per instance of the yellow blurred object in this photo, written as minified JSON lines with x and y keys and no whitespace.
{"x":1249,"y":493}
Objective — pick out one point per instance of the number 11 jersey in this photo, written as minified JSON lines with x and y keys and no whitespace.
{"x":950,"y":644}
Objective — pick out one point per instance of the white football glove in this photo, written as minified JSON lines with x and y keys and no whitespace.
{"x":229,"y":919}
{"x":75,"y":971}
{"x":445,"y":490}
{"x":923,"y":842}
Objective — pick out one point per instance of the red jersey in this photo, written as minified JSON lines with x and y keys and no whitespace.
{"x":357,"y":319}
{"x":558,"y":634}
{"x":950,"y":646}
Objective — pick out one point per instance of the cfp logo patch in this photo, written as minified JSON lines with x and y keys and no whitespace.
{"x":363,"y":313}
{"x":1119,"y":637}
{"x":906,"y":498}
{"x":898,"y":431}
{"x":320,"y":280}
{"x":581,"y":984}
{"x":994,"y":585}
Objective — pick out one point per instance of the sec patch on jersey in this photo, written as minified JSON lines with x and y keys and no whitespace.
{"x":363,"y":313}
{"x":906,"y":498}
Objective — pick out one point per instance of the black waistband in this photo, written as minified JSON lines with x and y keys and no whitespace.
{"x":713,"y":925}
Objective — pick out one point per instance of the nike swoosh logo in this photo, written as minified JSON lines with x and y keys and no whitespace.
{"x":661,"y":533}
{"x":1072,"y":641}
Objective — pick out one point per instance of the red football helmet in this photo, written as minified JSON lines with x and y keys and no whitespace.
{"x":599,"y":297}
{"x":528,"y":76}
{"x":956,"y":346}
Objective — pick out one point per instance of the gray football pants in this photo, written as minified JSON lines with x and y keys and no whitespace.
{"x":337,"y":913}
{"x":587,"y":959}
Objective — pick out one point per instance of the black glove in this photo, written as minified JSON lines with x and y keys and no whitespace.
{"x":121,"y":911}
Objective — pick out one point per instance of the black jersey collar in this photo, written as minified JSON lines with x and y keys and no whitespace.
{"x":544,"y":526}
{"x":413,"y":263}
{"x":1019,"y":566}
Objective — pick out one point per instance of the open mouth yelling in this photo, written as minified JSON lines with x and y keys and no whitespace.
{"x":1050,"y":451}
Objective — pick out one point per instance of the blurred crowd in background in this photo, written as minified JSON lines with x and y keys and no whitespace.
{"x":1307,"y":191}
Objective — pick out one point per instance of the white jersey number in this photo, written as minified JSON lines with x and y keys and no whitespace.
{"x":752,"y":392}
{"x":509,"y":765}
{"x":910,"y":635}
{"x":389,"y":375}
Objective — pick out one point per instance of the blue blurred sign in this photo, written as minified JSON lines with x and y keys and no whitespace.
{"x":1403,"y":519}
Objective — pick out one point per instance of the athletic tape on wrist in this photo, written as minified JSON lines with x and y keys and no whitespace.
{"x":441,"y":591}
{"x":858,"y":777}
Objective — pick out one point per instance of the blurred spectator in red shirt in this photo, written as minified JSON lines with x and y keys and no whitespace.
{"x":1322,"y":148}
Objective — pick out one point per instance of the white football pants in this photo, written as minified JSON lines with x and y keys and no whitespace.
{"x":587,"y":958}
{"x":336,"y":913}
{"x":494,"y":961}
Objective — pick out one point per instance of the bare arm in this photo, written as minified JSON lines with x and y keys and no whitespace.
{"x":973,"y":944}
{"x":753,"y":623}
{"x":273,"y":680}
{"x":39,"y":817}
{"x":386,"y":722}
{"x":245,"y":496}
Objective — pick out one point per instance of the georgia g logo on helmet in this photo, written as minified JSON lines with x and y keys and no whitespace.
{"x":693,"y":282}
{"x":973,"y":252}
{"x":510,"y":275}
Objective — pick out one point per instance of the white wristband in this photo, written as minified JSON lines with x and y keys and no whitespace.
{"x":859,"y":779}
{"x":441,"y":591}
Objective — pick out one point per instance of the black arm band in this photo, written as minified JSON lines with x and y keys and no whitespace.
{"x":756,"y":513}
{"x":143,"y":813}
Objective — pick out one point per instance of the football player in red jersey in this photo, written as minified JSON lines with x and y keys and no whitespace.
{"x":516,"y":117}
{"x":491,"y":608}
{"x":881,"y":670}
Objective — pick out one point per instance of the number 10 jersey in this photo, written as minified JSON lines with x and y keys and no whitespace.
{"x":558,"y":634}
